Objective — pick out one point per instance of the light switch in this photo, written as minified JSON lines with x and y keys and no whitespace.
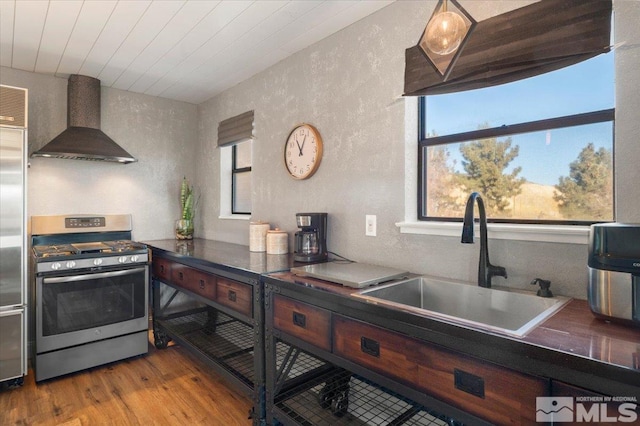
{"x":370,"y":220}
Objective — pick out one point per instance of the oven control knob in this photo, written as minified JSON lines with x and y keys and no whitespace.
{"x":55,"y":266}
{"x":71,"y":264}
{"x":122,"y":259}
{"x":134,"y":258}
{"x":97,"y":262}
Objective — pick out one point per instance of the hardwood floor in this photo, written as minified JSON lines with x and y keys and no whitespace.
{"x":164,"y":387}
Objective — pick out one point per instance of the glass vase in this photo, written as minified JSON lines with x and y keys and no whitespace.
{"x":184,"y":229}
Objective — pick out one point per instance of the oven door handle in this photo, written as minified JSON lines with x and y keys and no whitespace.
{"x":84,"y":277}
{"x":11,"y":312}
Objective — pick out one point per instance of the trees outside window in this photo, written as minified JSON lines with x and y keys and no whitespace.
{"x":587,"y":191}
{"x":539,"y":150}
{"x":485,"y":163}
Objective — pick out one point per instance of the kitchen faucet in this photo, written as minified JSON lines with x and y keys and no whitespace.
{"x":485,"y":269}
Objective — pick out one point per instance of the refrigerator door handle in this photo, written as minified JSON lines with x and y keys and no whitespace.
{"x":6,"y":313}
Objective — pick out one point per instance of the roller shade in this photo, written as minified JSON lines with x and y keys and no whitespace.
{"x":235,"y":129}
{"x":523,"y":43}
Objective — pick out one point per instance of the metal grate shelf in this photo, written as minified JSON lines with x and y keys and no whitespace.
{"x":316,"y":393}
{"x":217,"y":336}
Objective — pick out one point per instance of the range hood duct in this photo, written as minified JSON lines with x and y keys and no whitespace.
{"x":83,"y":139}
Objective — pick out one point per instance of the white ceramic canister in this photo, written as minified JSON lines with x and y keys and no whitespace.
{"x":258,"y":235}
{"x":277,"y":242}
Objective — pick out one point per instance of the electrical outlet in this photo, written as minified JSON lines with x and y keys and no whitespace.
{"x":370,"y":220}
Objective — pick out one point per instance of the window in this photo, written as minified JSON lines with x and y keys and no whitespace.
{"x":539,"y":150}
{"x":235,"y":136}
{"x":241,"y":178}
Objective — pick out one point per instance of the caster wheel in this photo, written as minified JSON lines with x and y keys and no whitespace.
{"x":326,"y":395}
{"x":340,"y":404}
{"x":161,"y":343}
{"x":160,"y":340}
{"x":16,"y":383}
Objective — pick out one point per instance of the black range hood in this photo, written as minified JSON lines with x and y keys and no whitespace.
{"x":83,"y":139}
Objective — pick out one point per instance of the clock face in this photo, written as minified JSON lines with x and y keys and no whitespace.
{"x":303,"y":151}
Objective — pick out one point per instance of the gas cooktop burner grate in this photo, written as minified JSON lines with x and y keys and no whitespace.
{"x":124,"y":245}
{"x":54,"y":250}
{"x":105,"y":247}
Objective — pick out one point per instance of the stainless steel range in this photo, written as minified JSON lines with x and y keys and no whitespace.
{"x":91,"y":288}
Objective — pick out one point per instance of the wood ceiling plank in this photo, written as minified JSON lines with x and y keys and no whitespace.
{"x":59,"y":24}
{"x":232,"y":78}
{"x":138,"y":72}
{"x":186,"y":50}
{"x":246,"y":22}
{"x":170,"y":64}
{"x":124,"y":18}
{"x":92,"y":19}
{"x":268,"y":52}
{"x":258,"y":41}
{"x":154,"y":20}
{"x":30,"y":16}
{"x":7,"y":14}
{"x":262,"y":51}
{"x":332,"y":18}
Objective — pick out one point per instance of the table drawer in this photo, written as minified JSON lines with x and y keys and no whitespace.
{"x":235,"y":295}
{"x":306,"y":322}
{"x":489,"y":391}
{"x":180,"y":275}
{"x":161,"y":269}
{"x":381,"y":350}
{"x":204,"y":284}
{"x":199,"y":282}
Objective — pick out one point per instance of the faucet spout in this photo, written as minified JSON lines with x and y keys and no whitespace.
{"x":486,"y":271}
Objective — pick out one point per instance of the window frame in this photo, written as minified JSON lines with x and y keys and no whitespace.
{"x":235,"y":171}
{"x":592,"y":117}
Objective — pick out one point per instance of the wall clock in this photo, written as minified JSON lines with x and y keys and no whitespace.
{"x":303,"y":151}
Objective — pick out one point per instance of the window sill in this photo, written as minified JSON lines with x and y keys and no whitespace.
{"x":503,"y":231}
{"x":235,"y":216}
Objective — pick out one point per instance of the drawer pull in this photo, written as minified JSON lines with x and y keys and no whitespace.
{"x":370,"y":347}
{"x":469,"y":383}
{"x":201,"y":284}
{"x":299,"y":319}
{"x":181,"y":275}
{"x":232,"y":295}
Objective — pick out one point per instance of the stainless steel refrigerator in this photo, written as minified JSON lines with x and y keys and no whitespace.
{"x":13,"y":237}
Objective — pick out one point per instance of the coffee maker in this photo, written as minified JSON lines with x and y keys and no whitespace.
{"x":311,"y":240}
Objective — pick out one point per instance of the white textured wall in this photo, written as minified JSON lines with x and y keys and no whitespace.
{"x":348,"y":86}
{"x":627,"y":149}
{"x":160,"y":133}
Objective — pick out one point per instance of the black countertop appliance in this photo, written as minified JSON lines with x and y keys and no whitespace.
{"x":311,"y":239}
{"x":614,"y":271}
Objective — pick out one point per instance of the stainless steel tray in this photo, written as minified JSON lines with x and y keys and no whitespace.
{"x":353,"y":274}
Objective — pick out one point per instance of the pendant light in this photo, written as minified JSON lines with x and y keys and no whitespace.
{"x":445,"y":35}
{"x":445,"y":32}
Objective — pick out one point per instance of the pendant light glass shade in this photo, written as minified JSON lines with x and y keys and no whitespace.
{"x":445,"y":32}
{"x":445,"y":35}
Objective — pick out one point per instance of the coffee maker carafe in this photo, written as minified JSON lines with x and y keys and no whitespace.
{"x":311,"y":240}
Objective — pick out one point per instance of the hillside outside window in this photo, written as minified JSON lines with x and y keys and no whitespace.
{"x":539,"y":150}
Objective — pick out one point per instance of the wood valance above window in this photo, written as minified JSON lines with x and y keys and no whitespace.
{"x":523,"y":43}
{"x":235,"y":129}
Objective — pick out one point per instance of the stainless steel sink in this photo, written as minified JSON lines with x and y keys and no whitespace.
{"x":508,"y":312}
